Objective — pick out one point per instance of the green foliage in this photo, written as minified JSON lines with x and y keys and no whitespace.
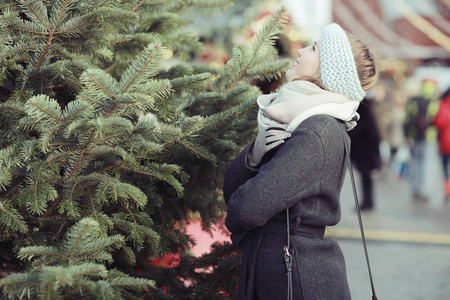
{"x":47,"y":44}
{"x":222,"y":282}
{"x":104,"y":152}
{"x":255,"y":59}
{"x":214,"y":275}
{"x":76,"y":269}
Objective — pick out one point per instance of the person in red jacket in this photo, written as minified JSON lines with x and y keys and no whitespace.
{"x":442,"y":123}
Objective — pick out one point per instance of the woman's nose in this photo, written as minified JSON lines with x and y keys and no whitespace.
{"x":300,"y":51}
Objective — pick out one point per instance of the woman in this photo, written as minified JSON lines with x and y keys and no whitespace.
{"x":298,"y":162}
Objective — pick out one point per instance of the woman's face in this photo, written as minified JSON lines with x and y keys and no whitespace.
{"x":308,"y":64}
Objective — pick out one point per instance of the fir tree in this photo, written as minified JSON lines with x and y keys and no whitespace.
{"x":93,"y":126}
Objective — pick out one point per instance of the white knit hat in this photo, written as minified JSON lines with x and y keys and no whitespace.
{"x":337,"y":64}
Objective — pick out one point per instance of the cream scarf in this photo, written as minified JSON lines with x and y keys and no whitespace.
{"x":298,"y":100}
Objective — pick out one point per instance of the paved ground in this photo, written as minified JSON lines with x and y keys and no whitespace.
{"x":408,"y":242}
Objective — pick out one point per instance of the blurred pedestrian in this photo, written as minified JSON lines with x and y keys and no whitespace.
{"x":442,"y":123}
{"x":418,"y":119}
{"x":397,"y":140}
{"x":365,"y":150}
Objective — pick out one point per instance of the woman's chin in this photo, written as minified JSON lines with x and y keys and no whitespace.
{"x":288,"y":77}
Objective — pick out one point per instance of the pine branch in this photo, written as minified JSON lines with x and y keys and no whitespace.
{"x":11,"y":218}
{"x":88,"y":269}
{"x":108,"y":190}
{"x":96,"y":80}
{"x":151,"y":3}
{"x":140,"y":39}
{"x":270,"y":70}
{"x":37,"y":12}
{"x":20,"y":285}
{"x":99,"y":246}
{"x":198,"y":150}
{"x":9,"y":156}
{"x":142,"y":68}
{"x":83,"y":231}
{"x":190,"y":82}
{"x":37,"y":195}
{"x":78,"y":161}
{"x":4,"y":5}
{"x":244,"y":55}
{"x":62,"y":6}
{"x":128,"y":282}
{"x":157,"y":88}
{"x":138,"y":234}
{"x":10,"y":109}
{"x":5,"y":178}
{"x":28,"y":253}
{"x":162,"y":172}
{"x":116,"y":190}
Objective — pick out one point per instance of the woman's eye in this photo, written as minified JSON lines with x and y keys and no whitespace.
{"x":314,"y":48}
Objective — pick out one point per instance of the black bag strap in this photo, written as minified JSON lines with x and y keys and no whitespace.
{"x":358,"y":211}
{"x":288,"y":259}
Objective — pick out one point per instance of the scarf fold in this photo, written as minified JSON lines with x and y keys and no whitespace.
{"x":298,"y":100}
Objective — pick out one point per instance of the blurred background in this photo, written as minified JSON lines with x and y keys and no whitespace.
{"x":398,"y":151}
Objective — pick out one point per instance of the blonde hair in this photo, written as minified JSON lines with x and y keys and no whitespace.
{"x":365,"y":62}
{"x":365,"y":65}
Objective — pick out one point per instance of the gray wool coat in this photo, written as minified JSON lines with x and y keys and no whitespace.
{"x":306,"y":175}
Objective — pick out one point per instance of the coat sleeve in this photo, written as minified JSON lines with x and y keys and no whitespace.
{"x":237,"y":174}
{"x":293,"y":173}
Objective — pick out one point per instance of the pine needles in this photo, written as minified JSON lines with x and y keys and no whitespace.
{"x":76,"y":268}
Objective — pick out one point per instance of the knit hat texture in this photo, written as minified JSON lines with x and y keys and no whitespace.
{"x":337,"y":64}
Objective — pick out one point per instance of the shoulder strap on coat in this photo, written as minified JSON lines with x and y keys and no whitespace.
{"x":288,"y":258}
{"x":358,"y":211}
